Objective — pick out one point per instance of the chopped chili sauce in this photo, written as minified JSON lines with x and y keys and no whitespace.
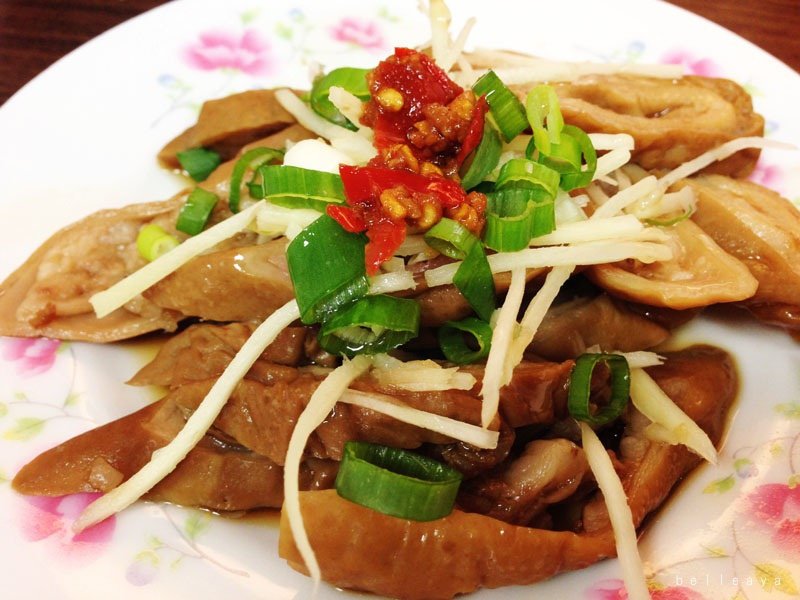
{"x":425,"y":127}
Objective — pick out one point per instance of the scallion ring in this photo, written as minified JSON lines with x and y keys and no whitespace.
{"x":466,"y":341}
{"x":326,"y":265}
{"x":582,"y":176}
{"x":474,"y":276}
{"x":397,"y":482}
{"x":371,"y":325}
{"x":199,"y":163}
{"x":504,"y":107}
{"x":483,"y":159}
{"x":580,"y":382}
{"x":524,"y":173}
{"x":152,"y":241}
{"x":250,"y":160}
{"x":296,"y":187}
{"x":544,"y":115}
{"x":351,"y":79}
{"x":510,"y":210}
{"x":195,"y":212}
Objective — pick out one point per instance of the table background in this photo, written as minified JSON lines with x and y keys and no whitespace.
{"x":36,"y":33}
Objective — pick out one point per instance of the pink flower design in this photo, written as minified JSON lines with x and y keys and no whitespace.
{"x":44,"y":518}
{"x":691,"y":64}
{"x":767,"y":175}
{"x":366,"y":34}
{"x":614,"y":589}
{"x":32,"y":355}
{"x":775,"y":509}
{"x":248,"y":52}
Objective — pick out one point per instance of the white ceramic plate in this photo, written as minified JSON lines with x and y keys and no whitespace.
{"x":83,"y":136}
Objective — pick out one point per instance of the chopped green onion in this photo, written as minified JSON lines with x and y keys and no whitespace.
{"x":484,"y":158}
{"x":580,"y":382}
{"x":544,"y":115}
{"x":326,"y":265}
{"x":474,"y":276}
{"x":475,"y":282}
{"x":564,"y":157}
{"x":152,"y":241}
{"x":199,"y":162}
{"x":524,"y":173}
{"x":506,"y":110}
{"x":450,"y":238}
{"x":351,"y":79}
{"x":512,"y":214}
{"x":581,"y":177}
{"x":397,"y":482}
{"x":250,"y":160}
{"x":452,"y":340}
{"x":196,"y":211}
{"x":371,"y":325}
{"x":295,"y":187}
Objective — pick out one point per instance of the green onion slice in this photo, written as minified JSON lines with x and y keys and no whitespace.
{"x":484,"y":158}
{"x":564,"y":157}
{"x":351,"y":79}
{"x":583,"y":175}
{"x":514,"y":214}
{"x":199,"y":162}
{"x":580,"y":381}
{"x":524,"y":173}
{"x":544,"y":115}
{"x":295,"y":187}
{"x":450,"y":238}
{"x":474,"y":276}
{"x":152,"y":241}
{"x":195,"y":212}
{"x":397,"y":482}
{"x":454,"y":336}
{"x":506,"y":110}
{"x":250,"y":160}
{"x":326,"y":265}
{"x":371,"y":325}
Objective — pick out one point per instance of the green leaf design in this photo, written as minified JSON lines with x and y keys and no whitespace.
{"x":772,"y":577}
{"x":249,"y":16}
{"x":72,"y":399}
{"x":384,"y":13}
{"x":716,"y":551}
{"x":720,"y":486}
{"x":148,"y":556}
{"x":24,"y":429}
{"x":3,"y":409}
{"x":794,"y":480}
{"x":196,"y":524}
{"x":284,"y":31}
{"x":154,"y":542}
{"x":20,"y":396}
{"x":790,"y":410}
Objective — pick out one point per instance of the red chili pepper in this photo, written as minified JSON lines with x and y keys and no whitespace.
{"x":420,"y":81}
{"x":368,"y":182}
{"x":385,"y":238}
{"x":475,"y":130}
{"x":363,"y":187}
{"x":347,"y":217}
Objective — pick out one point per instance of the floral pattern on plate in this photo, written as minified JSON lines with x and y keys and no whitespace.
{"x":150,"y":548}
